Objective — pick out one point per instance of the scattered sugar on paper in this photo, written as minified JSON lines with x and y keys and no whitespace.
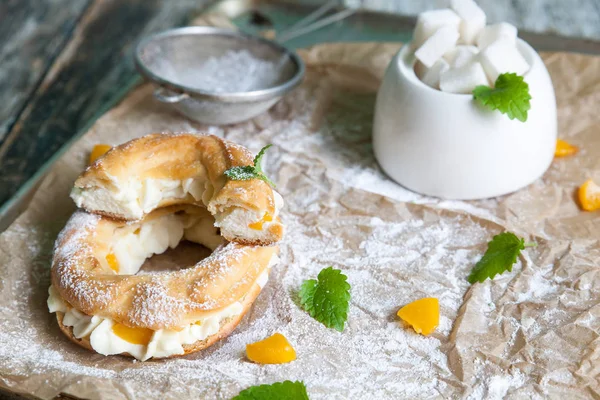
{"x":489,"y":385}
{"x":381,"y":357}
{"x":397,"y":259}
{"x":540,"y":285}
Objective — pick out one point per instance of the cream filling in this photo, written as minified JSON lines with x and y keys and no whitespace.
{"x":164,"y":342}
{"x":133,"y":199}
{"x":237,"y":220}
{"x":133,"y":244}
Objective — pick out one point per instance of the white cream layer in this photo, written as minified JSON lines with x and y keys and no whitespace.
{"x":133,"y":244}
{"x":164,"y":342}
{"x":237,"y":221}
{"x":133,"y":199}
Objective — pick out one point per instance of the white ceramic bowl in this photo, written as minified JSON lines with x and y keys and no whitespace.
{"x":447,"y":145}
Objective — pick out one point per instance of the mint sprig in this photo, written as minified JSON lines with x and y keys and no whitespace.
{"x":327,"y":299}
{"x":510,"y":95}
{"x":248,"y":172}
{"x":286,"y":390}
{"x":501,"y":254}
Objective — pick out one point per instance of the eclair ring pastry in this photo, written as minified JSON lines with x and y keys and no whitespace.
{"x":100,"y":300}
{"x":135,"y":178}
{"x":102,"y":305}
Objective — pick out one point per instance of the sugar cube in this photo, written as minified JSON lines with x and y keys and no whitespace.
{"x":429,"y":22}
{"x":463,"y":79}
{"x":431,"y":76}
{"x":502,"y":56}
{"x":461,"y":55}
{"x":493,"y":33}
{"x":472,"y":19}
{"x":443,"y":40}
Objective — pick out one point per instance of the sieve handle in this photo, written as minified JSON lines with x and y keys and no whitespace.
{"x":161,"y":95}
{"x":317,"y":20}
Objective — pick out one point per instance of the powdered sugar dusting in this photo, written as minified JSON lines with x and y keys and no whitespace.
{"x":69,"y":241}
{"x":152,"y":305}
{"x":153,"y":301}
{"x":232,"y":72}
{"x":71,"y":249}
{"x":528,"y":334}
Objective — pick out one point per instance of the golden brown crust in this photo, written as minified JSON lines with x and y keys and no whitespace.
{"x":203,"y":158}
{"x":274,"y":230}
{"x":227,"y":326}
{"x":81,"y":273}
{"x":155,"y":301}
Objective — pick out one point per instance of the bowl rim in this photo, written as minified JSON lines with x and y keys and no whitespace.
{"x":232,"y":97}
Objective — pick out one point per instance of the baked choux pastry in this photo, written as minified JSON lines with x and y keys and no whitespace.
{"x":102,"y":305}
{"x":157,"y":170}
{"x":142,"y":198}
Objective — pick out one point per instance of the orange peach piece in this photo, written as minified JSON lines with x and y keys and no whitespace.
{"x":564,"y":149}
{"x":133,"y":335}
{"x":589,"y":196}
{"x":273,"y":350}
{"x":98,"y":151}
{"x":423,"y":315}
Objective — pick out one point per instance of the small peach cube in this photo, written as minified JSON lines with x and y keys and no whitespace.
{"x":273,"y":350}
{"x":423,"y":315}
{"x":589,"y":196}
{"x":564,"y":149}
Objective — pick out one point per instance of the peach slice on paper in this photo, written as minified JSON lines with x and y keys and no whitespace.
{"x":273,"y":350}
{"x":589,"y":196}
{"x":423,"y":315}
{"x":564,"y":149}
{"x":98,"y":151}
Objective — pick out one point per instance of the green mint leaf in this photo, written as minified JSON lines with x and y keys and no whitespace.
{"x":258,"y":159}
{"x":264,"y":178}
{"x":258,"y":165}
{"x":501,"y":254}
{"x":328,"y":299}
{"x":510,"y":96}
{"x":241,"y":173}
{"x":250,"y":171}
{"x":286,"y":390}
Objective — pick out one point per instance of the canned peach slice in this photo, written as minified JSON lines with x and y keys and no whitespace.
{"x":589,"y":196}
{"x":423,"y":315}
{"x":564,"y":149}
{"x":273,"y":350}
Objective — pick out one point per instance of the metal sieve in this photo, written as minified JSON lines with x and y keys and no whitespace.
{"x":167,"y":58}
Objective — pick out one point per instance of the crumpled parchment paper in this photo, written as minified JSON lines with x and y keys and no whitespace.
{"x":532,"y":333}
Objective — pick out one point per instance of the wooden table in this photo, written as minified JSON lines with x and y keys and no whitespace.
{"x":61,"y":62}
